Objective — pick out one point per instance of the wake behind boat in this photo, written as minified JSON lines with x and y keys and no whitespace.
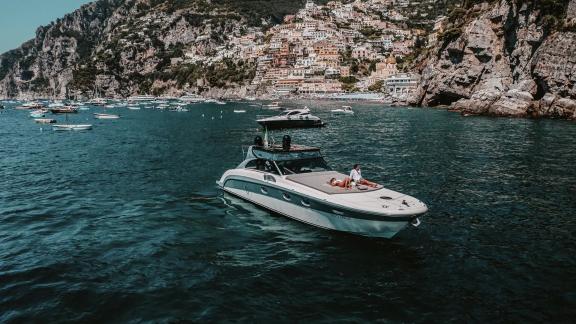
{"x":294,"y":118}
{"x":293,"y":180}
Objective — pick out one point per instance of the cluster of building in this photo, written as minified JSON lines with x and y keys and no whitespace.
{"x":317,"y":49}
{"x":326,"y":49}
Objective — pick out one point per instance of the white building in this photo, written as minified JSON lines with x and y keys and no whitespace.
{"x":402,"y":83}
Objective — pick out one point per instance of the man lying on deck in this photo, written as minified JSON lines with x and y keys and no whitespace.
{"x":356,"y":176}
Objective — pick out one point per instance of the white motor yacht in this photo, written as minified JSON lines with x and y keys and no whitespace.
{"x":294,"y":181}
{"x":294,"y":118}
{"x":345,"y":110}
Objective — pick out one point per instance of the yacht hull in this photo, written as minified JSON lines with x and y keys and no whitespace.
{"x":315,"y":212}
{"x":296,"y":123}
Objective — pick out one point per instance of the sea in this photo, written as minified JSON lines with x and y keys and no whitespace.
{"x":125,"y":223}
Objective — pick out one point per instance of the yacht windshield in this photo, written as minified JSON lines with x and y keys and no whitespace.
{"x":303,"y":166}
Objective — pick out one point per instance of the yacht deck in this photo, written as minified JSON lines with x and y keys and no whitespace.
{"x":319,"y":181}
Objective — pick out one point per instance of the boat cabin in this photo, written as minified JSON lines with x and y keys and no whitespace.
{"x":285,"y":160}
{"x":296,"y":113}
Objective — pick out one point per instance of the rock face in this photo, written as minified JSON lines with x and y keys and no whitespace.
{"x":118,"y":48}
{"x":508,"y":61}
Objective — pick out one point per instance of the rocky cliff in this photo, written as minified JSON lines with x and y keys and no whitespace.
{"x":117,"y":48}
{"x":507,"y":58}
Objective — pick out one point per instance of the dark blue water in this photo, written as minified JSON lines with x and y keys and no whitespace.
{"x":125,"y":223}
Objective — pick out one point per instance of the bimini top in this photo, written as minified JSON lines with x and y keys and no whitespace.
{"x":277,"y":153}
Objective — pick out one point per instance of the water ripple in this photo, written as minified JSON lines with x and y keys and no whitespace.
{"x":125,"y":224}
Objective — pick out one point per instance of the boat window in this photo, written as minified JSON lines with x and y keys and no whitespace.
{"x":303,"y":166}
{"x":257,"y":164}
{"x":270,"y":167}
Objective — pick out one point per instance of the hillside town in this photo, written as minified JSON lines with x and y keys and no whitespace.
{"x":329,"y":49}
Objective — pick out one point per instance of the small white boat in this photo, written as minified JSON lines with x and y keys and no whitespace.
{"x":98,"y":102}
{"x":31,"y":105}
{"x":56,"y":104}
{"x":37,"y":113}
{"x":133,"y":107}
{"x":345,"y":110}
{"x":106,"y":116}
{"x":71,"y":127}
{"x":250,"y":98}
{"x":181,"y":109}
{"x":83,"y":108}
{"x":273,"y":106}
{"x":239,"y":111}
{"x":45,"y":121}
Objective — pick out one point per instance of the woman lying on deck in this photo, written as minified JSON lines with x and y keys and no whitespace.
{"x":346,"y":183}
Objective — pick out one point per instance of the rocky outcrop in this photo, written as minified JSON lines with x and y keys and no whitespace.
{"x":118,"y":48}
{"x":508,"y":60}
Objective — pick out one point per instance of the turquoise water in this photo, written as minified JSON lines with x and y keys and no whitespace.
{"x":125,"y":223}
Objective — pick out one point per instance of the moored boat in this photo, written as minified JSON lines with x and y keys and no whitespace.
{"x":70,"y":127}
{"x":98,"y":102}
{"x":273,"y":106}
{"x":294,"y":118}
{"x":37,"y":113}
{"x":31,"y":106}
{"x":45,"y":121}
{"x":106,"y":116}
{"x":64,"y":110}
{"x":345,"y":110}
{"x":294,"y":181}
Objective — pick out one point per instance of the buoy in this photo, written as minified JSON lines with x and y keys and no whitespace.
{"x":202,"y":115}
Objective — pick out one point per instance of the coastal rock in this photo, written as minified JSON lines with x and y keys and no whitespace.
{"x":505,"y":62}
{"x":513,"y":103}
{"x":119,"y":48}
{"x":479,"y":103}
{"x":554,"y":107}
{"x":554,"y":65}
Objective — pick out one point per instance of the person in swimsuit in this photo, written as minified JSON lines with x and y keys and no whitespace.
{"x":340,"y":183}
